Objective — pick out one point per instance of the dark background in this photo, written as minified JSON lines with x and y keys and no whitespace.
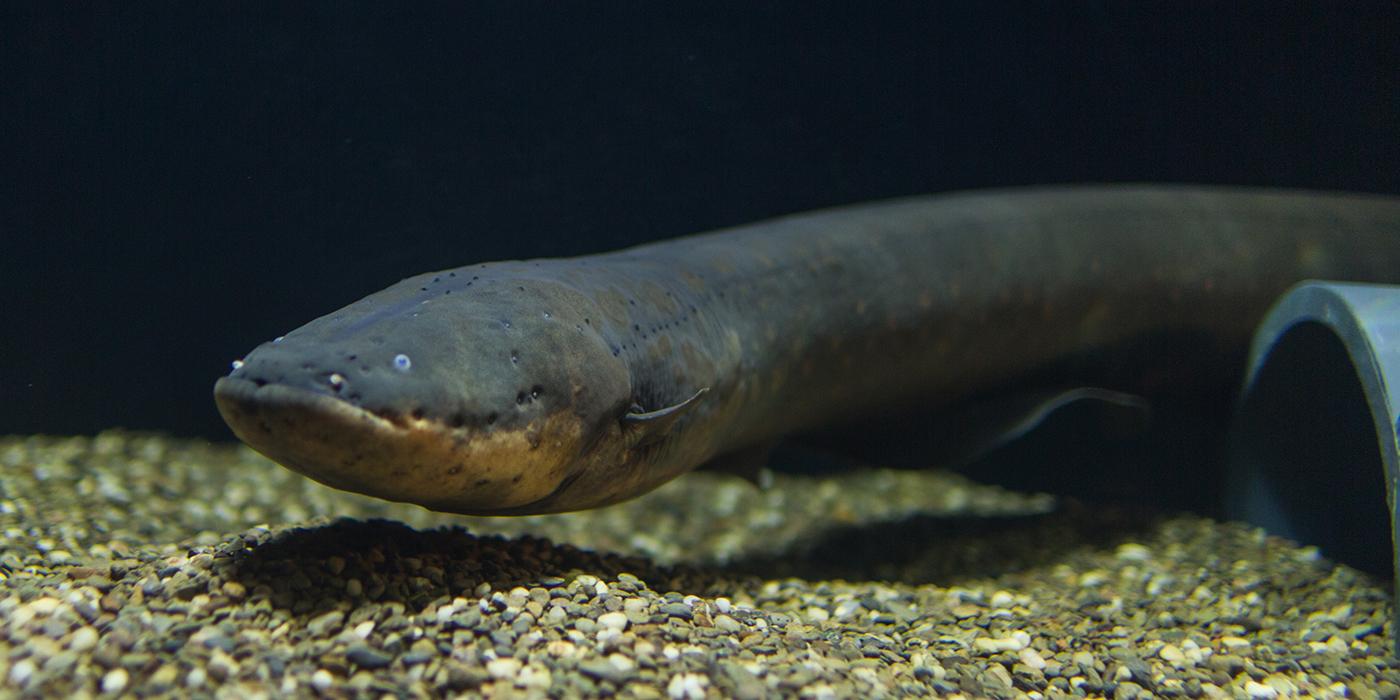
{"x":182,"y":182}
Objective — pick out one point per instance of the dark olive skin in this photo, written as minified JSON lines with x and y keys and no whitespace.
{"x":562,"y":384}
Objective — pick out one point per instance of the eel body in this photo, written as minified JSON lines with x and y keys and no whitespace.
{"x":562,"y":384}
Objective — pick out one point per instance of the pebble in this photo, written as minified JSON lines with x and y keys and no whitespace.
{"x":211,"y":572}
{"x":322,"y":680}
{"x":326,"y":624}
{"x":616,"y":621}
{"x":368,"y":657}
{"x":114,"y":681}
{"x":21,"y":672}
{"x":687,"y":686}
{"x":1015,"y":642}
{"x":83,"y":640}
{"x":1259,"y":690}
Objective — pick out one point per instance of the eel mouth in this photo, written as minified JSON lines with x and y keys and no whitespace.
{"x":415,"y":460}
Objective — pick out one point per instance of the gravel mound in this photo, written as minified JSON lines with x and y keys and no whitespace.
{"x":141,"y":565}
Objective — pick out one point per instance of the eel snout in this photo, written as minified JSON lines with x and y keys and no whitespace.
{"x":416,"y":460}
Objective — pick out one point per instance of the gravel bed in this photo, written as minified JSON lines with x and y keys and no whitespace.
{"x":138,"y":565}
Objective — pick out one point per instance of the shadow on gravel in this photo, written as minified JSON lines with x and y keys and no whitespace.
{"x":314,"y":568}
{"x":311,"y":569}
{"x":947,"y":551}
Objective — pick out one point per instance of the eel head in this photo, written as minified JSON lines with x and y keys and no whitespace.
{"x":497,"y":398}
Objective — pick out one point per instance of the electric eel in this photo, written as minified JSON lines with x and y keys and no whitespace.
{"x":561,"y":384}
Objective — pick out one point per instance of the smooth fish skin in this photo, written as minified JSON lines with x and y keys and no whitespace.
{"x":562,"y":384}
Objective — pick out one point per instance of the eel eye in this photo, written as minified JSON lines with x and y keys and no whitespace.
{"x":402,"y":363}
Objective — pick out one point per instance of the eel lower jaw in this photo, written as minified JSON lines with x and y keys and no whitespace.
{"x":415,"y":461}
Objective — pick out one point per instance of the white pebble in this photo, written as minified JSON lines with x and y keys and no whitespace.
{"x":1337,"y":615}
{"x":1258,"y":690}
{"x":1281,"y":684}
{"x":621,"y":662}
{"x":364,"y":629}
{"x":723,"y":605}
{"x":84,"y":639}
{"x":534,"y":676}
{"x":1032,"y":658}
{"x":847,"y":609}
{"x":1172,"y":654}
{"x":503,"y":668}
{"x":196,"y":677}
{"x":1133,"y":551}
{"x":322,"y":680}
{"x":1091,"y":579}
{"x":687,"y":686}
{"x":115,"y":681}
{"x":45,"y":605}
{"x":1017,"y":641}
{"x":613,"y":621}
{"x":445,"y":613}
{"x":21,"y":672}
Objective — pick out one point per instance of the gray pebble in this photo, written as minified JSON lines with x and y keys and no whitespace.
{"x":367,"y":656}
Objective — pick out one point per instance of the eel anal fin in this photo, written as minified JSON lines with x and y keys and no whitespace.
{"x":747,"y":463}
{"x":988,"y":425}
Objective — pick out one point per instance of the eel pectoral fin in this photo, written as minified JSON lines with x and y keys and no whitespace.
{"x":651,"y":426}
